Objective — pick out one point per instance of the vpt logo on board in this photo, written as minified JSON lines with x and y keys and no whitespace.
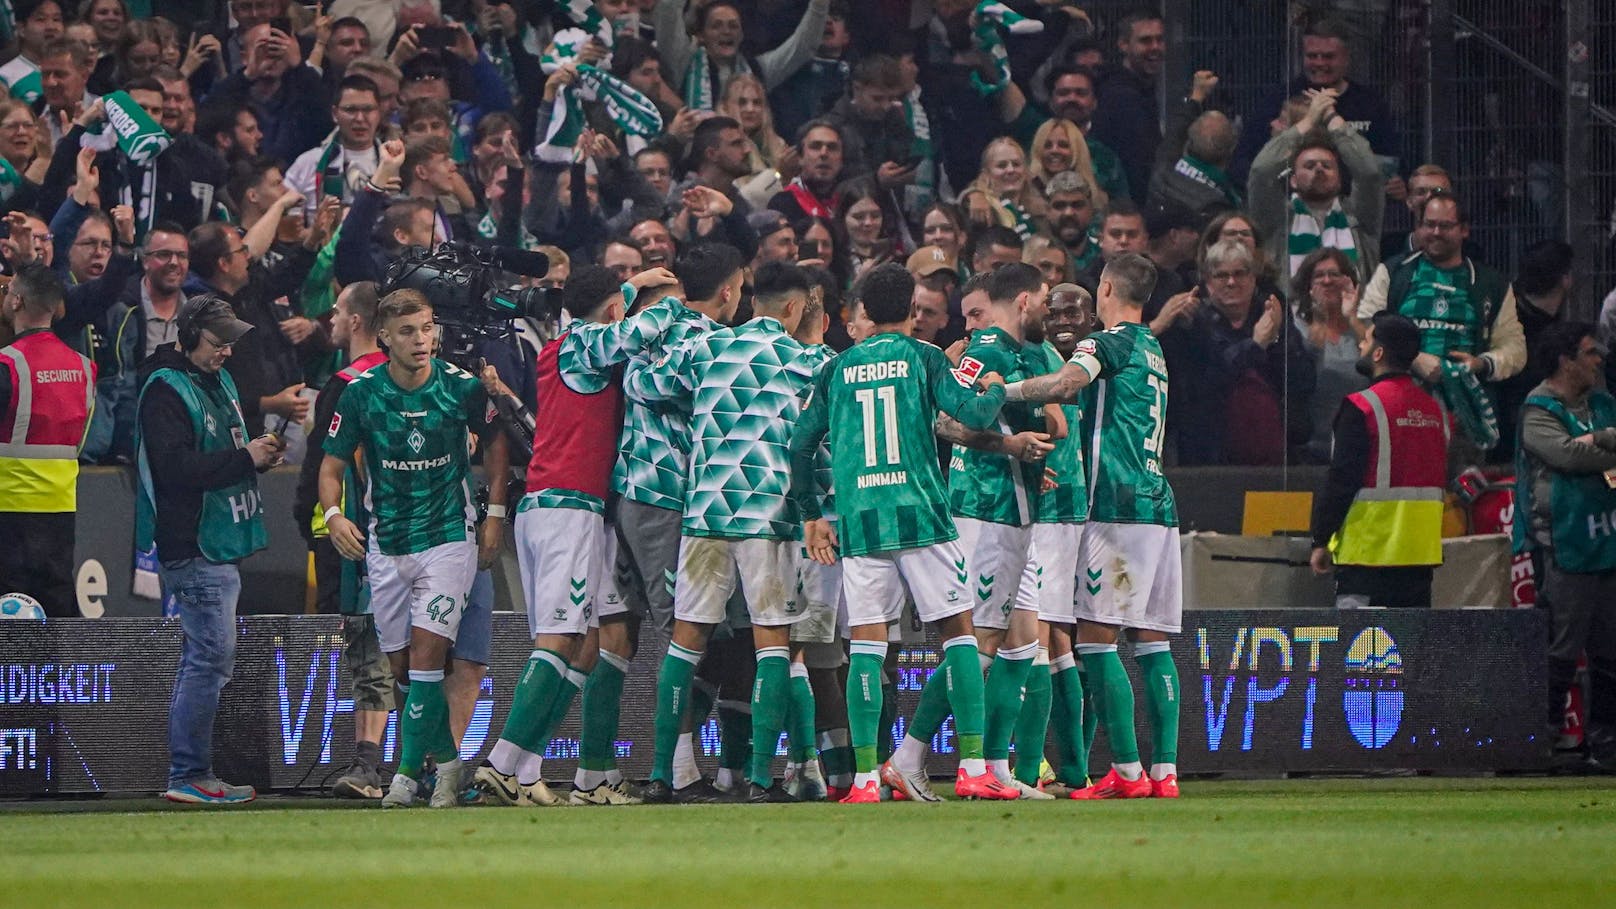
{"x":1272,"y":678}
{"x":1373,"y":695}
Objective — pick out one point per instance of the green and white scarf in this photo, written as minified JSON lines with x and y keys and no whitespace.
{"x":9,"y":180}
{"x":139,"y":137}
{"x":584,"y":14}
{"x":332,"y":169}
{"x":990,"y":16}
{"x":1308,"y":235}
{"x":701,"y":78}
{"x":923,"y":191}
{"x":630,"y":110}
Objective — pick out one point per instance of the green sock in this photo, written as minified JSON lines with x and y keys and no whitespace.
{"x":424,"y":712}
{"x":533,"y":700}
{"x":673,"y":698}
{"x":1068,"y":719}
{"x":1091,"y":715}
{"x":603,"y":704}
{"x":889,"y":716}
{"x":1032,"y":727}
{"x":1113,"y":700}
{"x":770,"y":692}
{"x":800,"y":716}
{"x":1161,"y":699}
{"x":866,"y":702}
{"x":933,"y":707}
{"x":571,"y":681}
{"x":1003,"y":692}
{"x":884,"y":740}
{"x":963,"y":675}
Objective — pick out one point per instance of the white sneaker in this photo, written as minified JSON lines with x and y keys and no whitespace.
{"x":811,"y":784}
{"x":604,"y":794}
{"x":400,"y":793}
{"x":446,"y":791}
{"x":908,"y":785}
{"x":1031,"y":793}
{"x":538,"y":794}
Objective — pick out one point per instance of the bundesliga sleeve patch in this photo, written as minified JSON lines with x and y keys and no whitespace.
{"x":967,"y":372}
{"x":336,"y":424}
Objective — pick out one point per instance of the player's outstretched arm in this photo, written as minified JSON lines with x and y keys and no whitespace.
{"x":1060,"y":387}
{"x":1023,"y":446}
{"x":806,"y":436}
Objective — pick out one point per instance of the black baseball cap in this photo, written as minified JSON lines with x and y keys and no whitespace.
{"x":213,"y":315}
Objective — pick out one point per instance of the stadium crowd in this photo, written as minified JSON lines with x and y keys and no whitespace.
{"x":279,"y":157}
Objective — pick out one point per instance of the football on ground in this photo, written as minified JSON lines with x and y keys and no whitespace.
{"x":1399,"y":842}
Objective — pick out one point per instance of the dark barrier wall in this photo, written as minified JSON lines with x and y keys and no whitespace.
{"x":273,"y":580}
{"x":84,"y":703}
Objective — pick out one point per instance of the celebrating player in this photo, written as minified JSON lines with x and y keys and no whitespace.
{"x":877,"y":401}
{"x":994,"y":499}
{"x":563,"y":543}
{"x":650,"y":476}
{"x":412,"y":418}
{"x":1055,"y":693}
{"x":1129,"y":555}
{"x":743,"y":385}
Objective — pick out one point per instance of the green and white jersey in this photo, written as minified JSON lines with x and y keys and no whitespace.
{"x":22,"y":79}
{"x":1124,"y":419}
{"x":653,"y":454}
{"x":417,"y":468}
{"x":876,"y":403}
{"x":991,"y":486}
{"x":1068,"y":502}
{"x":743,"y":387}
{"x":591,"y":351}
{"x":1446,"y":309}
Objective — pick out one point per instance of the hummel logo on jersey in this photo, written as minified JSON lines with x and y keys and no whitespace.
{"x":561,"y":615}
{"x":415,"y":711}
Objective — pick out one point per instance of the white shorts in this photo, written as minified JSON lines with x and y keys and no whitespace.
{"x":935,"y":576}
{"x":819,"y":590}
{"x":1058,"y":548}
{"x":561,"y":552}
{"x":1131,"y":577}
{"x":709,"y":569}
{"x":609,"y":601}
{"x":1003,"y":571}
{"x":426,"y":590}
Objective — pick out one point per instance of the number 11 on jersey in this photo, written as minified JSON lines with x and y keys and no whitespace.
{"x":866,"y":398}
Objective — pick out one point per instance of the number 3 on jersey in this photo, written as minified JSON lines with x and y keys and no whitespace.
{"x":888,"y":405}
{"x":1158,"y":407}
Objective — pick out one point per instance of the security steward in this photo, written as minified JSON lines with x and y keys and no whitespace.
{"x":1378,"y":518}
{"x":198,"y":500}
{"x":1565,"y":515}
{"x":49,"y":394}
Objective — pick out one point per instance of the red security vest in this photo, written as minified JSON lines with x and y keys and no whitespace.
{"x":575,"y":439}
{"x":52,"y":397}
{"x":1396,"y":517}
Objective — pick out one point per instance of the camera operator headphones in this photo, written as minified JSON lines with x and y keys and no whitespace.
{"x":196,"y":313}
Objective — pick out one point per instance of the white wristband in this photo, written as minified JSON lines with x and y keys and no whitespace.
{"x":1012,"y":392}
{"x":333,"y":510}
{"x":496,"y":511}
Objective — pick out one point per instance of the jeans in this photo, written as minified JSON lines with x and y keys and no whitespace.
{"x":207,"y":595}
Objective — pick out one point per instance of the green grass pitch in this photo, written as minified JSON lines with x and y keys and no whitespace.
{"x":1423,"y":843}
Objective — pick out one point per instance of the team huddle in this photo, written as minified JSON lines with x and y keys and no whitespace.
{"x":772,"y":505}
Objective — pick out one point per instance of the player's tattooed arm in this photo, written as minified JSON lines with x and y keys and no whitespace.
{"x":1061,"y":386}
{"x":1023,"y":446}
